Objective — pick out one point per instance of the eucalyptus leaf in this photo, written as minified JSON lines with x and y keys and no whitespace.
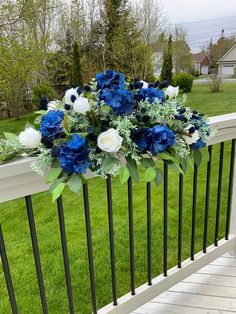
{"x":190,"y":163}
{"x":53,"y":174}
{"x":176,"y":167}
{"x":205,"y":155}
{"x":123,"y":175}
{"x":184,"y":165}
{"x":150,"y":174}
{"x":109,"y":163}
{"x":165,"y":156}
{"x":57,"y":191}
{"x":75,"y":183}
{"x":11,"y":137}
{"x":132,"y":167}
{"x":159,"y":177}
{"x":55,"y":183}
{"x":148,"y":162}
{"x":197,"y":155}
{"x":41,"y":112}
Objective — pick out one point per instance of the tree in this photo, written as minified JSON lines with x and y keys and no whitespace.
{"x":166,"y":71}
{"x":76,"y":78}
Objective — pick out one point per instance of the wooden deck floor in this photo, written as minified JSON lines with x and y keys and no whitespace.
{"x":211,"y":290}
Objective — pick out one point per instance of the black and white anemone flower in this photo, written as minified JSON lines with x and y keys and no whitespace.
{"x":52,"y":105}
{"x":145,"y":84}
{"x":71,"y":95}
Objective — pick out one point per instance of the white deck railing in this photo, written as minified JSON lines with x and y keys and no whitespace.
{"x":18,"y":180}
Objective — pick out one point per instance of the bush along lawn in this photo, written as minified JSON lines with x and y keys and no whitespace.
{"x":14,"y":222}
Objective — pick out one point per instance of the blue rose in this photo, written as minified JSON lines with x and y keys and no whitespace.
{"x":155,"y":139}
{"x":199,"y":144}
{"x":151,"y":94}
{"x":74,"y":155}
{"x":51,"y":124}
{"x":110,"y":79}
{"x":120,"y":100}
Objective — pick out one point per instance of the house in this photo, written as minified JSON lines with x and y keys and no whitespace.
{"x":227,"y":63}
{"x":202,"y":63}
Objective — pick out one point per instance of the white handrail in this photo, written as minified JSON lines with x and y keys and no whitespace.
{"x":17,"y":179}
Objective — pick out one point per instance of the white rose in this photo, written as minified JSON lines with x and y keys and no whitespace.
{"x":171,"y":91}
{"x":145,"y":84}
{"x":81,"y":105}
{"x":110,"y":141}
{"x":30,"y":138}
{"x":69,"y":95}
{"x":194,"y":136}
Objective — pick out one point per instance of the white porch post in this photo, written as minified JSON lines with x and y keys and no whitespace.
{"x":233,"y":209}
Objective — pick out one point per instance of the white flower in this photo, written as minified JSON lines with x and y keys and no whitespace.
{"x":145,"y":84}
{"x":81,"y":105}
{"x":110,"y":141}
{"x":171,"y":91}
{"x":52,"y":105}
{"x":30,"y":138}
{"x":194,"y":136}
{"x":70,"y":96}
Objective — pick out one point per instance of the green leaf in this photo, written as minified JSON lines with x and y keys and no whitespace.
{"x":132,"y":167}
{"x":53,"y":174}
{"x":28,"y":125}
{"x":197,"y":155}
{"x":159,"y":177}
{"x":150,"y":174}
{"x":55,"y":183}
{"x":165,"y":156}
{"x":123,"y":175}
{"x":205,"y":155}
{"x":190,"y":163}
{"x":11,"y":137}
{"x":57,"y":191}
{"x":148,"y":162}
{"x":75,"y":184}
{"x":184,"y":165}
{"x":176,"y":167}
{"x":109,"y":163}
{"x":42,"y":112}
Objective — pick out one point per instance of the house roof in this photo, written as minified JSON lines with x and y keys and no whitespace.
{"x":229,"y":56}
{"x":201,"y":57}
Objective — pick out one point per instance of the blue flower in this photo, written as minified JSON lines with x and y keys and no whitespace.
{"x":155,"y":139}
{"x":110,"y":79}
{"x":120,"y":100}
{"x":51,"y":125}
{"x":151,"y":94}
{"x":199,"y":144}
{"x":74,"y":155}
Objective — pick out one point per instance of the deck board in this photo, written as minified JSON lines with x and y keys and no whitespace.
{"x":212,"y":290}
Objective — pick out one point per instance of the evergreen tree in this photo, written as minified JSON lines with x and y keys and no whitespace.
{"x":166,"y":71}
{"x":76,"y":77}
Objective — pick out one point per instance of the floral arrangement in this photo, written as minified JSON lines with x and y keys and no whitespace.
{"x":110,"y":127}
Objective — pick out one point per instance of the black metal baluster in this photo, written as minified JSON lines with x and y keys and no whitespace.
{"x":149,"y":233}
{"x":180,"y":229}
{"x":7,"y":274}
{"x":111,"y":237}
{"x":230,"y":190}
{"x":194,"y":211}
{"x":36,"y":252}
{"x":165,"y":257}
{"x":207,"y":200}
{"x":90,"y":247}
{"x":65,"y":253}
{"x":131,"y":236}
{"x":219,"y":193}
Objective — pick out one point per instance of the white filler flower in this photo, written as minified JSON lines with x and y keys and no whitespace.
{"x":81,"y":105}
{"x":110,"y":141}
{"x":70,"y":96}
{"x":30,"y":138}
{"x":171,"y":91}
{"x":145,"y":84}
{"x":194,"y":136}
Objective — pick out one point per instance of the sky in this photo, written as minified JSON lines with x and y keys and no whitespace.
{"x":202,"y":19}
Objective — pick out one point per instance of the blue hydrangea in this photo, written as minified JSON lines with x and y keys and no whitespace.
{"x":120,"y":100}
{"x":199,"y":144}
{"x":154,"y":140}
{"x":51,"y":124}
{"x":151,"y":94}
{"x":110,"y":79}
{"x":74,"y":155}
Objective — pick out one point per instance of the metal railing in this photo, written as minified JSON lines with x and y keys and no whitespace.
{"x":17,"y":179}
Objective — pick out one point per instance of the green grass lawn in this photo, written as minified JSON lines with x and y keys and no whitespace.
{"x":13,"y":218}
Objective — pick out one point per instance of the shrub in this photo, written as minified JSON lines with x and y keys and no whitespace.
{"x":43,"y":91}
{"x":215,"y":83}
{"x":184,"y":81}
